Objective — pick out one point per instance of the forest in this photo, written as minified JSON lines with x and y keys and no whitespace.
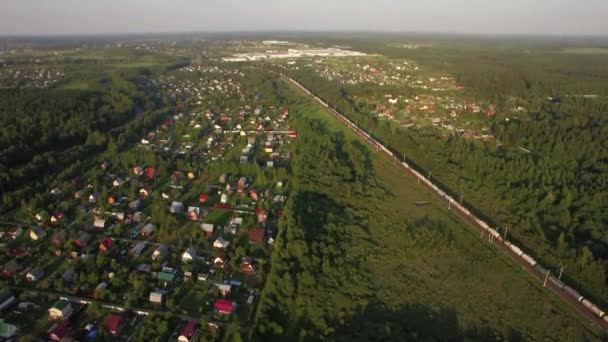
{"x":356,"y":260}
{"x":544,"y":179}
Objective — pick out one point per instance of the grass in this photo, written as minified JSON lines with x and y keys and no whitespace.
{"x":586,"y":51}
{"x":194,"y":301}
{"x":450,"y":269}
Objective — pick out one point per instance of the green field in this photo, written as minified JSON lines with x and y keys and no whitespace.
{"x":586,"y":51}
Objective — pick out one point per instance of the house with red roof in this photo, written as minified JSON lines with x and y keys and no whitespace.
{"x":59,"y":331}
{"x":112,"y":323}
{"x":203,"y":198}
{"x":256,"y":234}
{"x":224,"y":306}
{"x":188,"y":332}
{"x":105,"y":244}
{"x":150,"y":172}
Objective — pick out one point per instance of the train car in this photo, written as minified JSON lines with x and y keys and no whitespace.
{"x":541,"y":269}
{"x":586,"y":303}
{"x":557,"y":282}
{"x":448,"y":198}
{"x":573,"y":293}
{"x":528,"y":259}
{"x":405,"y":165}
{"x":606,"y":318}
{"x":483,"y":224}
{"x":597,"y":310}
{"x":515,"y":249}
{"x":441,"y":193}
{"x":494,"y":233}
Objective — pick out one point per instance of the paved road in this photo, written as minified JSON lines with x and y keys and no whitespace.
{"x":500,"y":244}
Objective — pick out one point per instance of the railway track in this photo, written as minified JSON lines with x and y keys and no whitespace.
{"x":468,"y":217}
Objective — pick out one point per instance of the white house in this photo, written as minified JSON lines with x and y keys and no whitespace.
{"x":220,"y":243}
{"x":189,"y":255}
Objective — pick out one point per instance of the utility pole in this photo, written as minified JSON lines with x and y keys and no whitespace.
{"x":546,"y":277}
{"x":429,"y":175}
{"x":560,"y":273}
{"x":449,"y":205}
{"x":460,"y":198}
{"x":506,"y":231}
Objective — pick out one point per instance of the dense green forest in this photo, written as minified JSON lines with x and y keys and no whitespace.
{"x":552,"y":199}
{"x":57,"y":130}
{"x":355,"y":259}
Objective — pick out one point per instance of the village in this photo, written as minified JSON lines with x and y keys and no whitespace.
{"x":31,"y":76}
{"x":406,"y":93}
{"x":181,"y":223}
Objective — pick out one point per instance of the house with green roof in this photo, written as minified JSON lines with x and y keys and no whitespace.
{"x":61,"y":310}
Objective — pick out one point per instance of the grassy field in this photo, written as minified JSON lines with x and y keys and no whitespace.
{"x":444,"y":280}
{"x":586,"y":51}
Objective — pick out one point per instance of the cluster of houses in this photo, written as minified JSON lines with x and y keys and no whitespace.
{"x":99,"y":238}
{"x":36,"y":76}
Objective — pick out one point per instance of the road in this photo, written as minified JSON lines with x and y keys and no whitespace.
{"x":500,"y":244}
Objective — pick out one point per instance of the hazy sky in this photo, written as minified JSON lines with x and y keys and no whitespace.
{"x":570,"y":17}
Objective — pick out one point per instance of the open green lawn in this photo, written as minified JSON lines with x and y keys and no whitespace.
{"x":195,"y":301}
{"x":586,"y":51}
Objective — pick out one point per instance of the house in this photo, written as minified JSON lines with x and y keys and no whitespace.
{"x":224,"y":198}
{"x":220,"y":243}
{"x":135,"y":205}
{"x":220,"y":260}
{"x":203,"y":276}
{"x":7,"y":330}
{"x":144,"y":191}
{"x":177,"y":207}
{"x":247,"y":265}
{"x":60,"y":310}
{"x":157,"y":297}
{"x":223,"y":178}
{"x":59,"y":237}
{"x":59,"y":331}
{"x":256,"y":234}
{"x":262,"y":216}
{"x":194,"y":213}
{"x":242,"y":183}
{"x":138,"y":171}
{"x":105,"y":165}
{"x":224,"y":306}
{"x":224,"y":289}
{"x":137,"y":249}
{"x":57,"y":216}
{"x":112,"y":323}
{"x":189,"y":254}
{"x":150,"y":172}
{"x":253,"y":194}
{"x":203,"y":198}
{"x":99,"y":223}
{"x":166,"y":277}
{"x":189,"y":331}
{"x":69,"y":275}
{"x":144,"y":268}
{"x":83,"y":240}
{"x":6,"y":298}
{"x":15,"y":232}
{"x":112,"y":200}
{"x":11,"y":268}
{"x":94,"y":197}
{"x":118,"y":182}
{"x":147,"y":230}
{"x":105,"y":244}
{"x":37,"y":233}
{"x":160,"y":253}
{"x":207,"y":229}
{"x":35,"y":274}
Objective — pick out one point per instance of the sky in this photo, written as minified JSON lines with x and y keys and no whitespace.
{"x":508,"y":17}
